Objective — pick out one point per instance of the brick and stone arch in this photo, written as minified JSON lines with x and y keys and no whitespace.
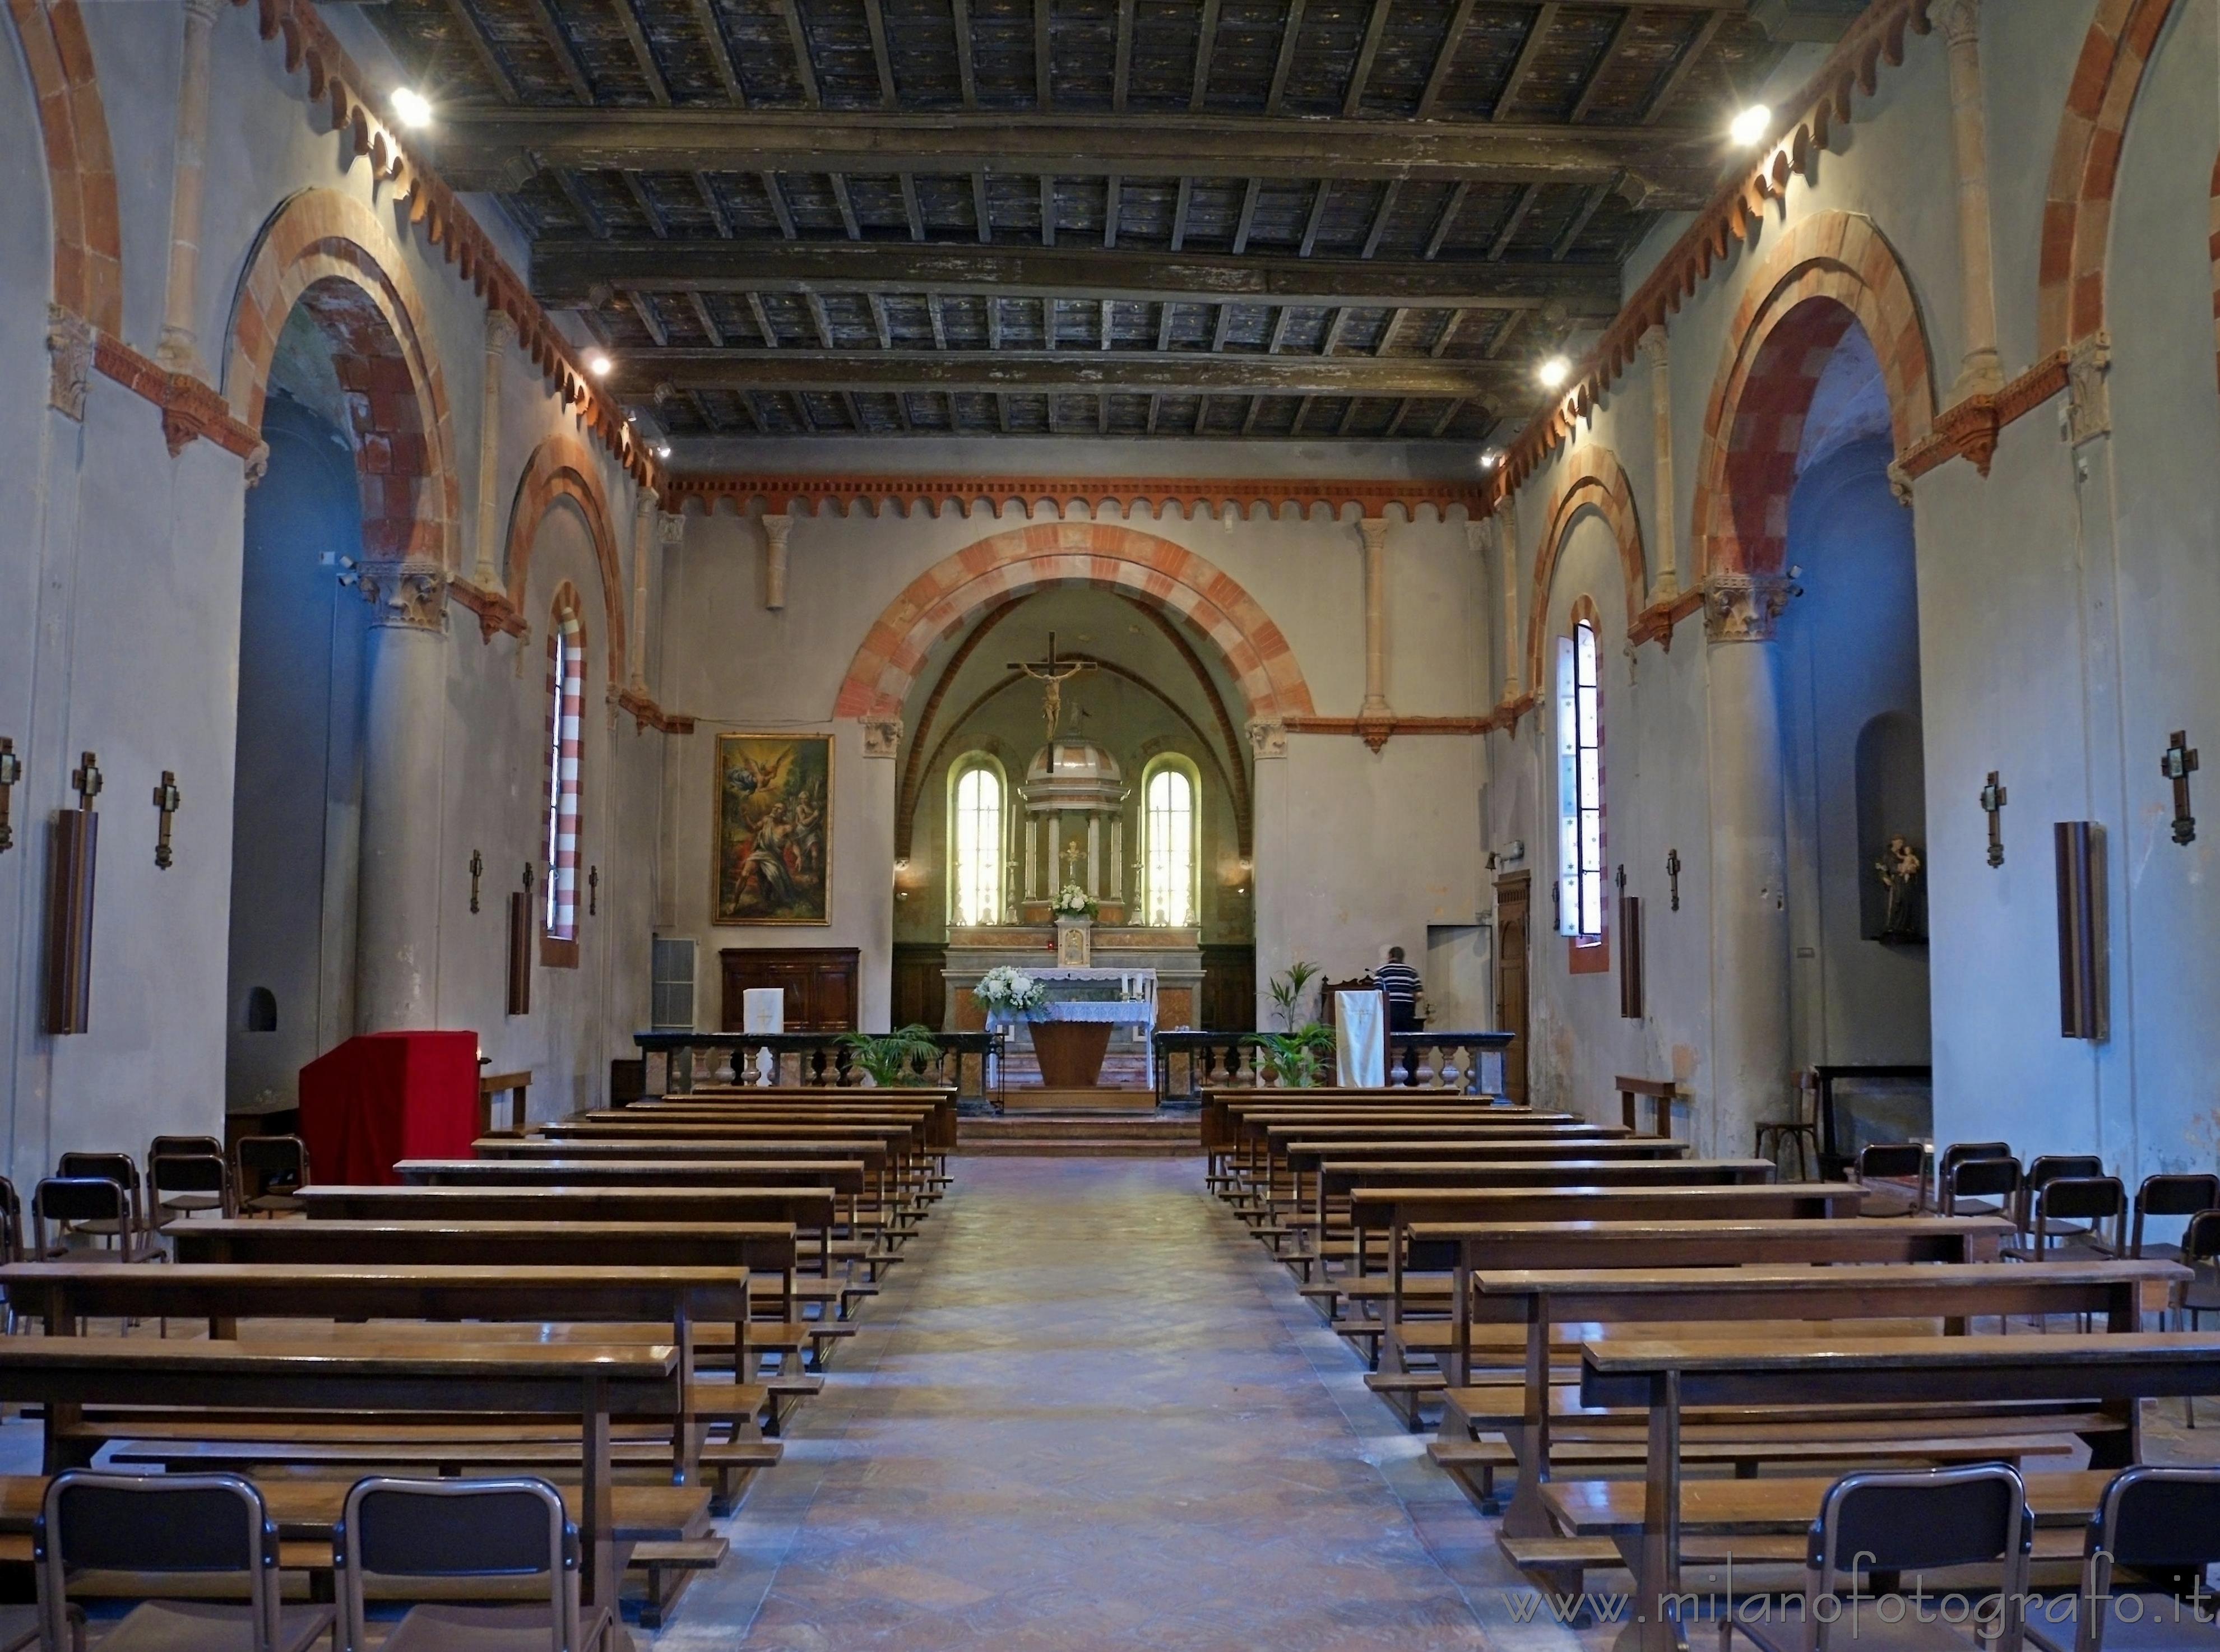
{"x":1829,"y":272}
{"x":2085,"y":168}
{"x":1592,"y":479}
{"x":560,"y":468}
{"x":949,"y":595}
{"x":80,"y":165}
{"x":328,"y":253}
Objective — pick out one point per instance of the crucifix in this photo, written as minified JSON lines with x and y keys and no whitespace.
{"x":478,"y":871}
{"x":1673,"y":873}
{"x":11,"y":771}
{"x":168,"y":800}
{"x":1993,"y":799}
{"x":2177,"y":764}
{"x":86,"y":781}
{"x":1619,"y":878}
{"x":1071,"y":854}
{"x":1052,"y":674}
{"x":593,"y":892}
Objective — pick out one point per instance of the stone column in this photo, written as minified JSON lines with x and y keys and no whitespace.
{"x":775,"y":529}
{"x":1749,"y":858}
{"x":1506,"y":531}
{"x":1982,"y":369}
{"x":1374,"y":530}
{"x":643,"y":547}
{"x":396,"y":949}
{"x":178,"y":349}
{"x":1665,"y":582}
{"x":500,"y":333}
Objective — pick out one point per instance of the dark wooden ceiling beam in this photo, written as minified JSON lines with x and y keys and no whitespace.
{"x":1381,"y":214}
{"x":797,"y":39}
{"x":644,"y":308}
{"x":1112,"y":192}
{"x":1043,"y":57}
{"x":1445,"y":60}
{"x":1584,"y":105}
{"x":1248,"y":218}
{"x":1205,"y":43}
{"x":489,"y":59}
{"x":875,"y":21}
{"x":579,"y":204}
{"x":558,"y":46}
{"x":643,"y":53}
{"x":1122,"y":71}
{"x":1517,"y":216}
{"x":1180,"y":203}
{"x":1677,"y":76}
{"x":638,"y":189}
{"x":493,"y":148}
{"x":1445,"y":221}
{"x":966,"y":76}
{"x":912,"y":213}
{"x":982,"y":208}
{"x":706,"y":189}
{"x":1374,"y":27}
{"x":1567,"y":242}
{"x":721,"y":51}
{"x":848,"y":218}
{"x":1545,"y":18}
{"x":775,"y":192}
{"x":714,"y":333}
{"x":1284,"y":64}
{"x":1047,"y":210}
{"x":764,"y":323}
{"x":572,"y":272}
{"x":1316,"y":218}
{"x":639,"y":374}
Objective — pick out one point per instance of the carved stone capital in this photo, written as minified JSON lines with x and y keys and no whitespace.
{"x":882,"y":736}
{"x":1900,"y":483}
{"x":672,"y":529}
{"x":2088,"y":392}
{"x":1745,"y":608}
{"x":410,"y":594}
{"x":499,"y":332}
{"x":69,"y":340}
{"x":1960,"y":21}
{"x":1268,"y":737}
{"x":777,"y":528}
{"x":1655,"y":350}
{"x":1374,"y":532}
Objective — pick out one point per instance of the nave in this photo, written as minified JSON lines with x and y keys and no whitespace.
{"x":1093,"y":1414}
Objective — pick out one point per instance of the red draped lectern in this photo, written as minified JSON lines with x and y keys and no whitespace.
{"x":388,"y":1096}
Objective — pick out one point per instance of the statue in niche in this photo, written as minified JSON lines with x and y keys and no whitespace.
{"x":1899,"y":869}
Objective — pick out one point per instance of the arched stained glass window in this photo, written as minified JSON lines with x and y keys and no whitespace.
{"x":566,"y":695}
{"x":1580,"y":786}
{"x":975,"y":837}
{"x":1168,"y":831}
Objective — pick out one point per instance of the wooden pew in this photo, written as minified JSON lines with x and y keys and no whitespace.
{"x":718,"y":1103}
{"x":1217,"y":1103}
{"x":1243,"y":1163}
{"x":892,"y":1168}
{"x":224,"y":1293}
{"x":1786,"y":1296}
{"x":811,"y":1209}
{"x":1648,"y":1520}
{"x":64,"y":1375}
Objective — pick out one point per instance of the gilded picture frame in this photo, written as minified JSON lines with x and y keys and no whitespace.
{"x":771,"y":830}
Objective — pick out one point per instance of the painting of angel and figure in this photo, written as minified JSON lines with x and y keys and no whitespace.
{"x":774,"y":828}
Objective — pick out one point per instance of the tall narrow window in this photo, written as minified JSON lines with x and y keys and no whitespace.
{"x":1579,"y":787}
{"x":975,"y":837}
{"x":1167,"y":831}
{"x":566,"y":695}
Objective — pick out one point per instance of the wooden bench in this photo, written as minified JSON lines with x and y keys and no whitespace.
{"x":2108,"y":1372}
{"x":63,"y":1375}
{"x":1785,"y":1295}
{"x":516,"y":1087}
{"x":1661,"y":1094}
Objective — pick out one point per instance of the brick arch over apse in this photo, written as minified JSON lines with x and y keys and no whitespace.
{"x":1593,"y":480}
{"x":1829,"y":271}
{"x":2085,"y":168}
{"x":327,"y":251}
{"x":561,"y":468}
{"x":80,"y":165}
{"x":948,"y":594}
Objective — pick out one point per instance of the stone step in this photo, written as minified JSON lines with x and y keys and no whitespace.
{"x":1081,"y":1135}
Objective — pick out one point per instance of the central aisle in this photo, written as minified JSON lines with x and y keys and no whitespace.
{"x":1086,"y":1415}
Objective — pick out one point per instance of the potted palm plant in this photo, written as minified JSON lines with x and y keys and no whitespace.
{"x":893,"y":1058}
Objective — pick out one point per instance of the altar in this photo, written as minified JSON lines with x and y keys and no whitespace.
{"x":1142,"y":978}
{"x":1070,"y":1034}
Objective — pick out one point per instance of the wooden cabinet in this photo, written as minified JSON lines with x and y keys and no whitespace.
{"x":1512,"y":892}
{"x":1229,"y":989}
{"x":819,"y":982}
{"x":920,"y":994}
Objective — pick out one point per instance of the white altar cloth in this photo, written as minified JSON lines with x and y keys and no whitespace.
{"x":1360,"y":1056}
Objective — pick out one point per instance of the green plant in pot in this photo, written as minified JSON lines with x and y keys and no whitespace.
{"x":890,"y":1058}
{"x":1287,"y":990}
{"x":1298,"y":1057}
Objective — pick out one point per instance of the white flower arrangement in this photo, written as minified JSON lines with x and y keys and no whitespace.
{"x":1008,"y":991}
{"x":1072,"y":901}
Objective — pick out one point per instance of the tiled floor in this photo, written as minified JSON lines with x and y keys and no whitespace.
{"x":1091,"y":1414}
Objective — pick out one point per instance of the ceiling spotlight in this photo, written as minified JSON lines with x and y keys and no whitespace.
{"x":411,"y":107}
{"x":599,"y":365}
{"x":1554,"y":372}
{"x":1750,"y":126}
{"x":662,"y":450}
{"x":1490,"y":459}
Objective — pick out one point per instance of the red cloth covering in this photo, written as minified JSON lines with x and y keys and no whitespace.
{"x":388,"y":1096}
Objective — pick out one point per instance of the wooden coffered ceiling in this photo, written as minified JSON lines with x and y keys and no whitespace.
{"x":1363,"y":218}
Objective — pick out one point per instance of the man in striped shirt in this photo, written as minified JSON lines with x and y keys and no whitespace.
{"x":1399,"y":984}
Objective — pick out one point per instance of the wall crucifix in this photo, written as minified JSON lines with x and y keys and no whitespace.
{"x":167,"y":801}
{"x":2177,"y":764}
{"x":1052,"y":674}
{"x":1673,"y":873}
{"x":1993,"y":799}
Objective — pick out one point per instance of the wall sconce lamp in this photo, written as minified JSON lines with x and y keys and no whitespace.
{"x":167,"y":801}
{"x":11,"y":772}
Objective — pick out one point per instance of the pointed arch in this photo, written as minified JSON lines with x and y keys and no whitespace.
{"x":1830,"y":270}
{"x":329,"y":252}
{"x":1592,"y":478}
{"x":947,"y":595}
{"x":561,"y":468}
{"x":2085,"y":168}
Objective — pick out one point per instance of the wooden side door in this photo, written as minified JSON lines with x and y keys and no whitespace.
{"x":1512,"y":895}
{"x":920,"y":986}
